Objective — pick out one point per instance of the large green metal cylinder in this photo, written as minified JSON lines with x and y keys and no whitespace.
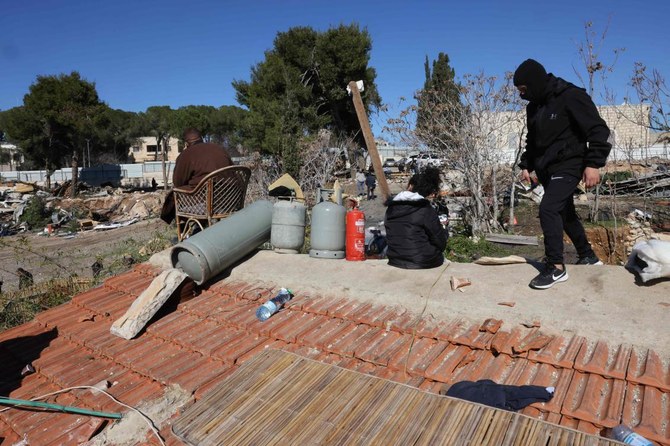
{"x":207,"y":253}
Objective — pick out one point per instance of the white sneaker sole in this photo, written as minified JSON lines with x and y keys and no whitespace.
{"x":563,"y":278}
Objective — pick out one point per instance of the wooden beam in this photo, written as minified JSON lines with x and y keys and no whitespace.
{"x":512,"y":239}
{"x":369,"y":140}
{"x":148,"y":303}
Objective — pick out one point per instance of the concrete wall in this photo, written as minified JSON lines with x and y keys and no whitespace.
{"x":138,"y":175}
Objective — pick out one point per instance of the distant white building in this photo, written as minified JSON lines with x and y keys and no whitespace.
{"x":145,"y":148}
{"x":11,"y":150}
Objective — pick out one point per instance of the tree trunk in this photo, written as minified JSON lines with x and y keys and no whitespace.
{"x":48,"y":175}
{"x":163,"y":163}
{"x":75,"y":174}
{"x":494,"y":193}
{"x":512,"y":193}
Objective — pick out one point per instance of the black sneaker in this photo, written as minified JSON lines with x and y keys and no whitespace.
{"x":590,"y":260}
{"x":549,"y":277}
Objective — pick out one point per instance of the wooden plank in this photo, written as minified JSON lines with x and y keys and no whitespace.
{"x":148,"y":303}
{"x":369,"y":140}
{"x":512,"y":239}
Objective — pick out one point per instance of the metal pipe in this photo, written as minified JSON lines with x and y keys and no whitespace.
{"x":207,"y":253}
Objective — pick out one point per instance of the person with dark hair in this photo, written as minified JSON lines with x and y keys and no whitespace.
{"x":567,"y":142}
{"x":371,"y":183}
{"x":198,"y":159}
{"x":193,"y":164}
{"x":416,"y":238}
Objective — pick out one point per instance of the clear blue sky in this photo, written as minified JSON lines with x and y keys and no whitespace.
{"x":142,"y":53}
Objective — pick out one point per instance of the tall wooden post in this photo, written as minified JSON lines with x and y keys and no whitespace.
{"x":369,"y":140}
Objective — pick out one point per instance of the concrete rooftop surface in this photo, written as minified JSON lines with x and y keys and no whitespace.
{"x":600,"y":339}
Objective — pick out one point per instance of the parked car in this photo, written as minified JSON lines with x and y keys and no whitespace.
{"x":429,"y":159}
{"x":389,"y":162}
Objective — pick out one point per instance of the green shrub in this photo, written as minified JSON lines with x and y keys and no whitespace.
{"x":461,"y":248}
{"x":35,"y":213}
{"x":617,"y":176}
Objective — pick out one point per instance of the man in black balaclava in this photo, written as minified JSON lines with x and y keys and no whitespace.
{"x":566,"y":142}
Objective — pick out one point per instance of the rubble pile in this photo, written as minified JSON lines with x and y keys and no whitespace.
{"x":92,"y":207}
{"x":639,"y":224}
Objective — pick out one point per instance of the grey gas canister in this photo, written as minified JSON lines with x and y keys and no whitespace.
{"x":288,"y":226}
{"x":328,"y":231}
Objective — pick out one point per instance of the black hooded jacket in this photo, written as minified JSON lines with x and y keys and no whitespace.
{"x":565,"y":132}
{"x":416,"y":239}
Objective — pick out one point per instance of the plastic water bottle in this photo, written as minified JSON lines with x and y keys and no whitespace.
{"x":626,"y":435}
{"x":273,"y":305}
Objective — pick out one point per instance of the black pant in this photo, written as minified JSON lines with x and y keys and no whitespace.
{"x":557,"y":214}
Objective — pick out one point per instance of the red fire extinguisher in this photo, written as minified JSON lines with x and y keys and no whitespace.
{"x":355,"y":234}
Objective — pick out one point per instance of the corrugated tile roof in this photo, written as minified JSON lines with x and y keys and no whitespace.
{"x":196,"y":342}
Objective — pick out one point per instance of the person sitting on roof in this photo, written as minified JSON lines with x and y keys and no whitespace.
{"x":198,"y":159}
{"x":415,"y":237}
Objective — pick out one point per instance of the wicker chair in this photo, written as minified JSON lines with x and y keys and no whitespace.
{"x":218,"y":195}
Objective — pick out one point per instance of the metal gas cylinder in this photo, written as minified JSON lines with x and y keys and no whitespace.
{"x":207,"y":253}
{"x":288,"y":226}
{"x":328,"y":231}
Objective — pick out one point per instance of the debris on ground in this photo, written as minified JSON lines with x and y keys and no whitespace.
{"x":458,"y":282}
{"x":507,"y":260}
{"x":94,"y":207}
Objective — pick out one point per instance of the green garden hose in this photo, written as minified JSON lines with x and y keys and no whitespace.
{"x":58,"y":407}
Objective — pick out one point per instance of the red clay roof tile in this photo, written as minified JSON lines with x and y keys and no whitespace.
{"x":416,"y":359}
{"x":505,"y":341}
{"x":647,"y":410}
{"x":595,"y":399}
{"x":560,"y":351}
{"x":8,"y":434}
{"x":201,"y":342}
{"x":133,"y":282}
{"x":442,"y":368}
{"x":326,"y":332}
{"x":379,"y":317}
{"x":470,"y":336}
{"x":229,"y":353}
{"x":219,"y":336}
{"x":96,"y":298}
{"x":382,"y":346}
{"x":404,"y":322}
{"x":75,"y":429}
{"x":193,"y":377}
{"x":349,"y":340}
{"x":317,"y":304}
{"x":603,"y":359}
{"x":647,"y":367}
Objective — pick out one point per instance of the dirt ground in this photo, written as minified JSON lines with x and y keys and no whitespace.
{"x":50,"y":257}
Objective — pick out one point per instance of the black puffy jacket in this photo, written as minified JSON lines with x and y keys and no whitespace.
{"x":565,"y":132}
{"x":415,"y":237}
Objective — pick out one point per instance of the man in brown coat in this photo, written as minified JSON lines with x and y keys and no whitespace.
{"x":198,"y":159}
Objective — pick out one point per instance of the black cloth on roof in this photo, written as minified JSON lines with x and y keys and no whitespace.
{"x":500,"y":396}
